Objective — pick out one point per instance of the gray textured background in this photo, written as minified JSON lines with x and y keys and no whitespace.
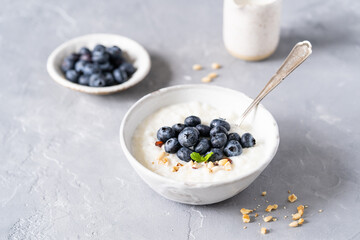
{"x":64,"y":176}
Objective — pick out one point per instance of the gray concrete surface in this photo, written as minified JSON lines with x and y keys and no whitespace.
{"x":64,"y":176}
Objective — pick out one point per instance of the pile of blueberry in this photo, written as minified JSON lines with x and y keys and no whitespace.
{"x":98,"y":68}
{"x":192,"y":136}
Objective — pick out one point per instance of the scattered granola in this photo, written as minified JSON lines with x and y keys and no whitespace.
{"x":296,"y":216}
{"x":256,"y":215}
{"x":213,"y":75}
{"x":206,"y":79}
{"x":294,"y":224}
{"x":245,"y":211}
{"x":263,"y":230}
{"x":215,"y":66}
{"x":175,"y":169}
{"x":301,"y":221}
{"x":263,"y":193}
{"x":292,"y":198}
{"x":267,"y":219}
{"x":271,"y":207}
{"x":245,"y":227}
{"x":197,"y":67}
{"x":246,"y":218}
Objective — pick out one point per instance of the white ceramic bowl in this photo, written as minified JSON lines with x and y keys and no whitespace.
{"x":133,"y":51}
{"x":190,"y":193}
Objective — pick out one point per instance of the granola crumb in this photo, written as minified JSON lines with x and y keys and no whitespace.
{"x":284,"y":207}
{"x":212,"y":75}
{"x":294,"y":224}
{"x":274,"y":219}
{"x":263,"y":230}
{"x":289,"y":191}
{"x":271,"y":207}
{"x":227,"y":166}
{"x":175,"y":169}
{"x":320,"y":211}
{"x":197,"y":67}
{"x":215,"y":66}
{"x":254,"y":209}
{"x":246,"y":218}
{"x":292,"y":198}
{"x":266,"y":201}
{"x":259,"y":224}
{"x":153,"y":162}
{"x":206,"y":79}
{"x":285,"y":217}
{"x":267,"y":219}
{"x":263,"y":193}
{"x":245,"y":211}
{"x":256,"y":215}
{"x":222,"y":162}
{"x":300,"y":207}
{"x":306,"y":206}
{"x":296,"y":216}
{"x":301,"y":221}
{"x":245,"y":227}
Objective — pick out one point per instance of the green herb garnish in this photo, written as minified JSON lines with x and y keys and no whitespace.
{"x":198,"y":158}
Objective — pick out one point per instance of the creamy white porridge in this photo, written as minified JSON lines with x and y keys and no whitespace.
{"x":151,"y":156}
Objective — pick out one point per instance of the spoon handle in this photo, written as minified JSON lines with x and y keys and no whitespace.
{"x":298,"y":55}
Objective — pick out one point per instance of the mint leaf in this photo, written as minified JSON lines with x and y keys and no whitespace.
{"x":208,"y":156}
{"x":196,"y":157}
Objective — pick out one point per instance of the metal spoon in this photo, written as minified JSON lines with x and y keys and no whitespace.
{"x":298,"y":55}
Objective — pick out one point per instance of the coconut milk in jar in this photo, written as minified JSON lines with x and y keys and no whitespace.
{"x":251,"y":28}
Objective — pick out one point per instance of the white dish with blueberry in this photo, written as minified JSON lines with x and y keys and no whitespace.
{"x":99,"y":63}
{"x":209,"y":158}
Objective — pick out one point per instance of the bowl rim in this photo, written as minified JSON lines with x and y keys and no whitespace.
{"x":132,"y":160}
{"x":135,"y":79}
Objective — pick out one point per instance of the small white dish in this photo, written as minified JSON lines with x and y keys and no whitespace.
{"x":189,"y":192}
{"x":134,"y":52}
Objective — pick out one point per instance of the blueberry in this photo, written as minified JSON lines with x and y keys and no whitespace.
{"x":178,"y":128}
{"x":192,"y":121}
{"x":84,"y":50}
{"x":203,"y":129}
{"x":247,"y":140}
{"x":79,"y":66}
{"x":128,"y":68}
{"x":86,"y":57}
{"x":67,"y":65}
{"x":100,"y":57}
{"x":97,"y":80}
{"x":84,"y":80}
{"x":188,"y":137}
{"x":91,"y":68}
{"x":218,"y":140}
{"x":115,"y":52}
{"x":184,"y":154}
{"x":202,"y":146}
{"x":232,"y":148}
{"x":72,"y":76}
{"x":165,"y":133}
{"x":218,"y":129}
{"x":116,"y":62}
{"x":218,"y":154}
{"x":120,"y":76}
{"x":73,"y":57}
{"x":220,"y":122}
{"x":99,"y":48}
{"x":172,"y":145}
{"x":234,"y":136}
{"x":106,"y":66}
{"x":109,"y":79}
